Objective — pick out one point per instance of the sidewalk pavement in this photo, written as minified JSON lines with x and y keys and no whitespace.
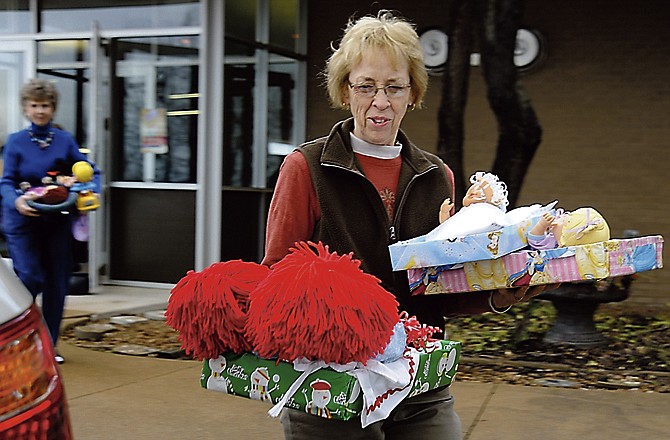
{"x":115,"y":396}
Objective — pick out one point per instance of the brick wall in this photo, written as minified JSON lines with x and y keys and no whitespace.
{"x":602,"y":97}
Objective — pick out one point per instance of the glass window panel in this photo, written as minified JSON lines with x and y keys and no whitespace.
{"x":62,"y":51}
{"x":284,"y":17}
{"x":238,"y":124}
{"x":281,"y":110}
{"x":14,"y":17}
{"x":75,"y":15}
{"x":236,"y":48}
{"x":240,"y":19}
{"x":12,"y":74}
{"x":153,"y":75}
{"x":72,"y":111}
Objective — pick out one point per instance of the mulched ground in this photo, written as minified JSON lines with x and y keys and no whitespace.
{"x":499,"y":348}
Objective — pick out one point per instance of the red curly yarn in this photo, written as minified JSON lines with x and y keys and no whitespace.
{"x":209,"y":308}
{"x":320,"y":306}
{"x":418,"y":335}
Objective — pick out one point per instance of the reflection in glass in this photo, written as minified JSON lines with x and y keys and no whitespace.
{"x":12,"y":74}
{"x":238,"y":129}
{"x":75,"y":15}
{"x":14,"y":17}
{"x":62,"y":51}
{"x":240,"y":20}
{"x":238,"y":120}
{"x":281,"y":105}
{"x":153,"y":74}
{"x":73,"y":90}
{"x":284,"y":19}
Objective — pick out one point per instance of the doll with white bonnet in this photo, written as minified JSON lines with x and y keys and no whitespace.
{"x":484,"y":188}
{"x":484,"y":208}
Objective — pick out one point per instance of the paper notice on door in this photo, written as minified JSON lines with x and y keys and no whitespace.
{"x":153,"y":131}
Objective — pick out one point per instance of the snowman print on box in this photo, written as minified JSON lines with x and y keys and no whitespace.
{"x":260,"y":380}
{"x":320,"y":398}
{"x":216,"y":380}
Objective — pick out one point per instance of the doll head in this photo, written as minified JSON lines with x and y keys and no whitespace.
{"x":486,"y":188}
{"x":82,"y":171}
{"x":582,"y":226}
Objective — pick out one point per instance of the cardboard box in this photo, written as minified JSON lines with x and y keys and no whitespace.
{"x":529,"y":267}
{"x":320,"y":390}
{"x":507,"y":235}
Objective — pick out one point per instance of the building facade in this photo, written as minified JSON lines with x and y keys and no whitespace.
{"x":188,"y":108}
{"x":237,"y":84}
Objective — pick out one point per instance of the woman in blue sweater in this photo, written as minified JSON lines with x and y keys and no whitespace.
{"x":40,"y":243}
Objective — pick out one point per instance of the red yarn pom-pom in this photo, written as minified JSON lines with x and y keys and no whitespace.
{"x":209,"y":308}
{"x":320,"y":306}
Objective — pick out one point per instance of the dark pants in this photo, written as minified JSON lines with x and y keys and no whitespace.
{"x":429,"y":415}
{"x":41,"y":253}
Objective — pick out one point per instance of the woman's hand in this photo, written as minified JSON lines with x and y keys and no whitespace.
{"x":21,"y":204}
{"x":503,"y":298}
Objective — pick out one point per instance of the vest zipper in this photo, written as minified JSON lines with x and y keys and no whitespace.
{"x":403,"y":197}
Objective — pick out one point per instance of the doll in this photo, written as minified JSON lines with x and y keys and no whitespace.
{"x":59,"y":193}
{"x":52,"y":195}
{"x":82,"y":173}
{"x":582,"y":226}
{"x":484,"y":208}
{"x":484,"y":188}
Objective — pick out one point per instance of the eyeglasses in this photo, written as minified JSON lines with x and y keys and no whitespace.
{"x":370,"y":90}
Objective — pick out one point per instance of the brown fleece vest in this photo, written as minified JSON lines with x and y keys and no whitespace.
{"x":353,"y":218}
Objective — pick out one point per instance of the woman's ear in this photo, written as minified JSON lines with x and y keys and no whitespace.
{"x":345,"y":96}
{"x":412,"y":99}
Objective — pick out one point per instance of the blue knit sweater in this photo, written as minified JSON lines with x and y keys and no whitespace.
{"x":25,"y":161}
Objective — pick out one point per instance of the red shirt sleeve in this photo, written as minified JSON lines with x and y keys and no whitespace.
{"x":293,"y":210}
{"x":453,"y":188}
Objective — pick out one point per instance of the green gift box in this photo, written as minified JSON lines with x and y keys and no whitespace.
{"x":334,"y":391}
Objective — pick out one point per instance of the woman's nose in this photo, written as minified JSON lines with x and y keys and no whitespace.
{"x":381,"y":100}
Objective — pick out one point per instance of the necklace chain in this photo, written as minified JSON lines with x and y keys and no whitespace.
{"x":43,"y":143}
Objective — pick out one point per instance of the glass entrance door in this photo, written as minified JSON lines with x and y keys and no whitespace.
{"x":79,"y":69}
{"x":154,"y":104}
{"x":16,"y":65}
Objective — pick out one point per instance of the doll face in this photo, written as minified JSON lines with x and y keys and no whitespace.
{"x":479,"y":192}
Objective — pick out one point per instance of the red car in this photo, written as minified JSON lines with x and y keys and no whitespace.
{"x":32,"y":397}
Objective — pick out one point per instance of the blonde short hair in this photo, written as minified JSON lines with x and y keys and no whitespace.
{"x":583,"y":226}
{"x":384,"y":31}
{"x":37,"y":89}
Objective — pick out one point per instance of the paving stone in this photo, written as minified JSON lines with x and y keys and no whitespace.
{"x":157,"y":315}
{"x":551,"y":382}
{"x":175,"y":353}
{"x":134,"y":350}
{"x":619,"y":384}
{"x":92,"y":332}
{"x":127,"y":319}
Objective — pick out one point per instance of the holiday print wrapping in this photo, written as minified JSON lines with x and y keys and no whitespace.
{"x":589,"y":262}
{"x":425,"y":251}
{"x":333,"y":390}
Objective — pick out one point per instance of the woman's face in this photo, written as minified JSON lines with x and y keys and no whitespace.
{"x":38,"y":112}
{"x":377,"y":118}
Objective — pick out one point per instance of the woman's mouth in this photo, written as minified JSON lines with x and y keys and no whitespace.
{"x":378,"y":121}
